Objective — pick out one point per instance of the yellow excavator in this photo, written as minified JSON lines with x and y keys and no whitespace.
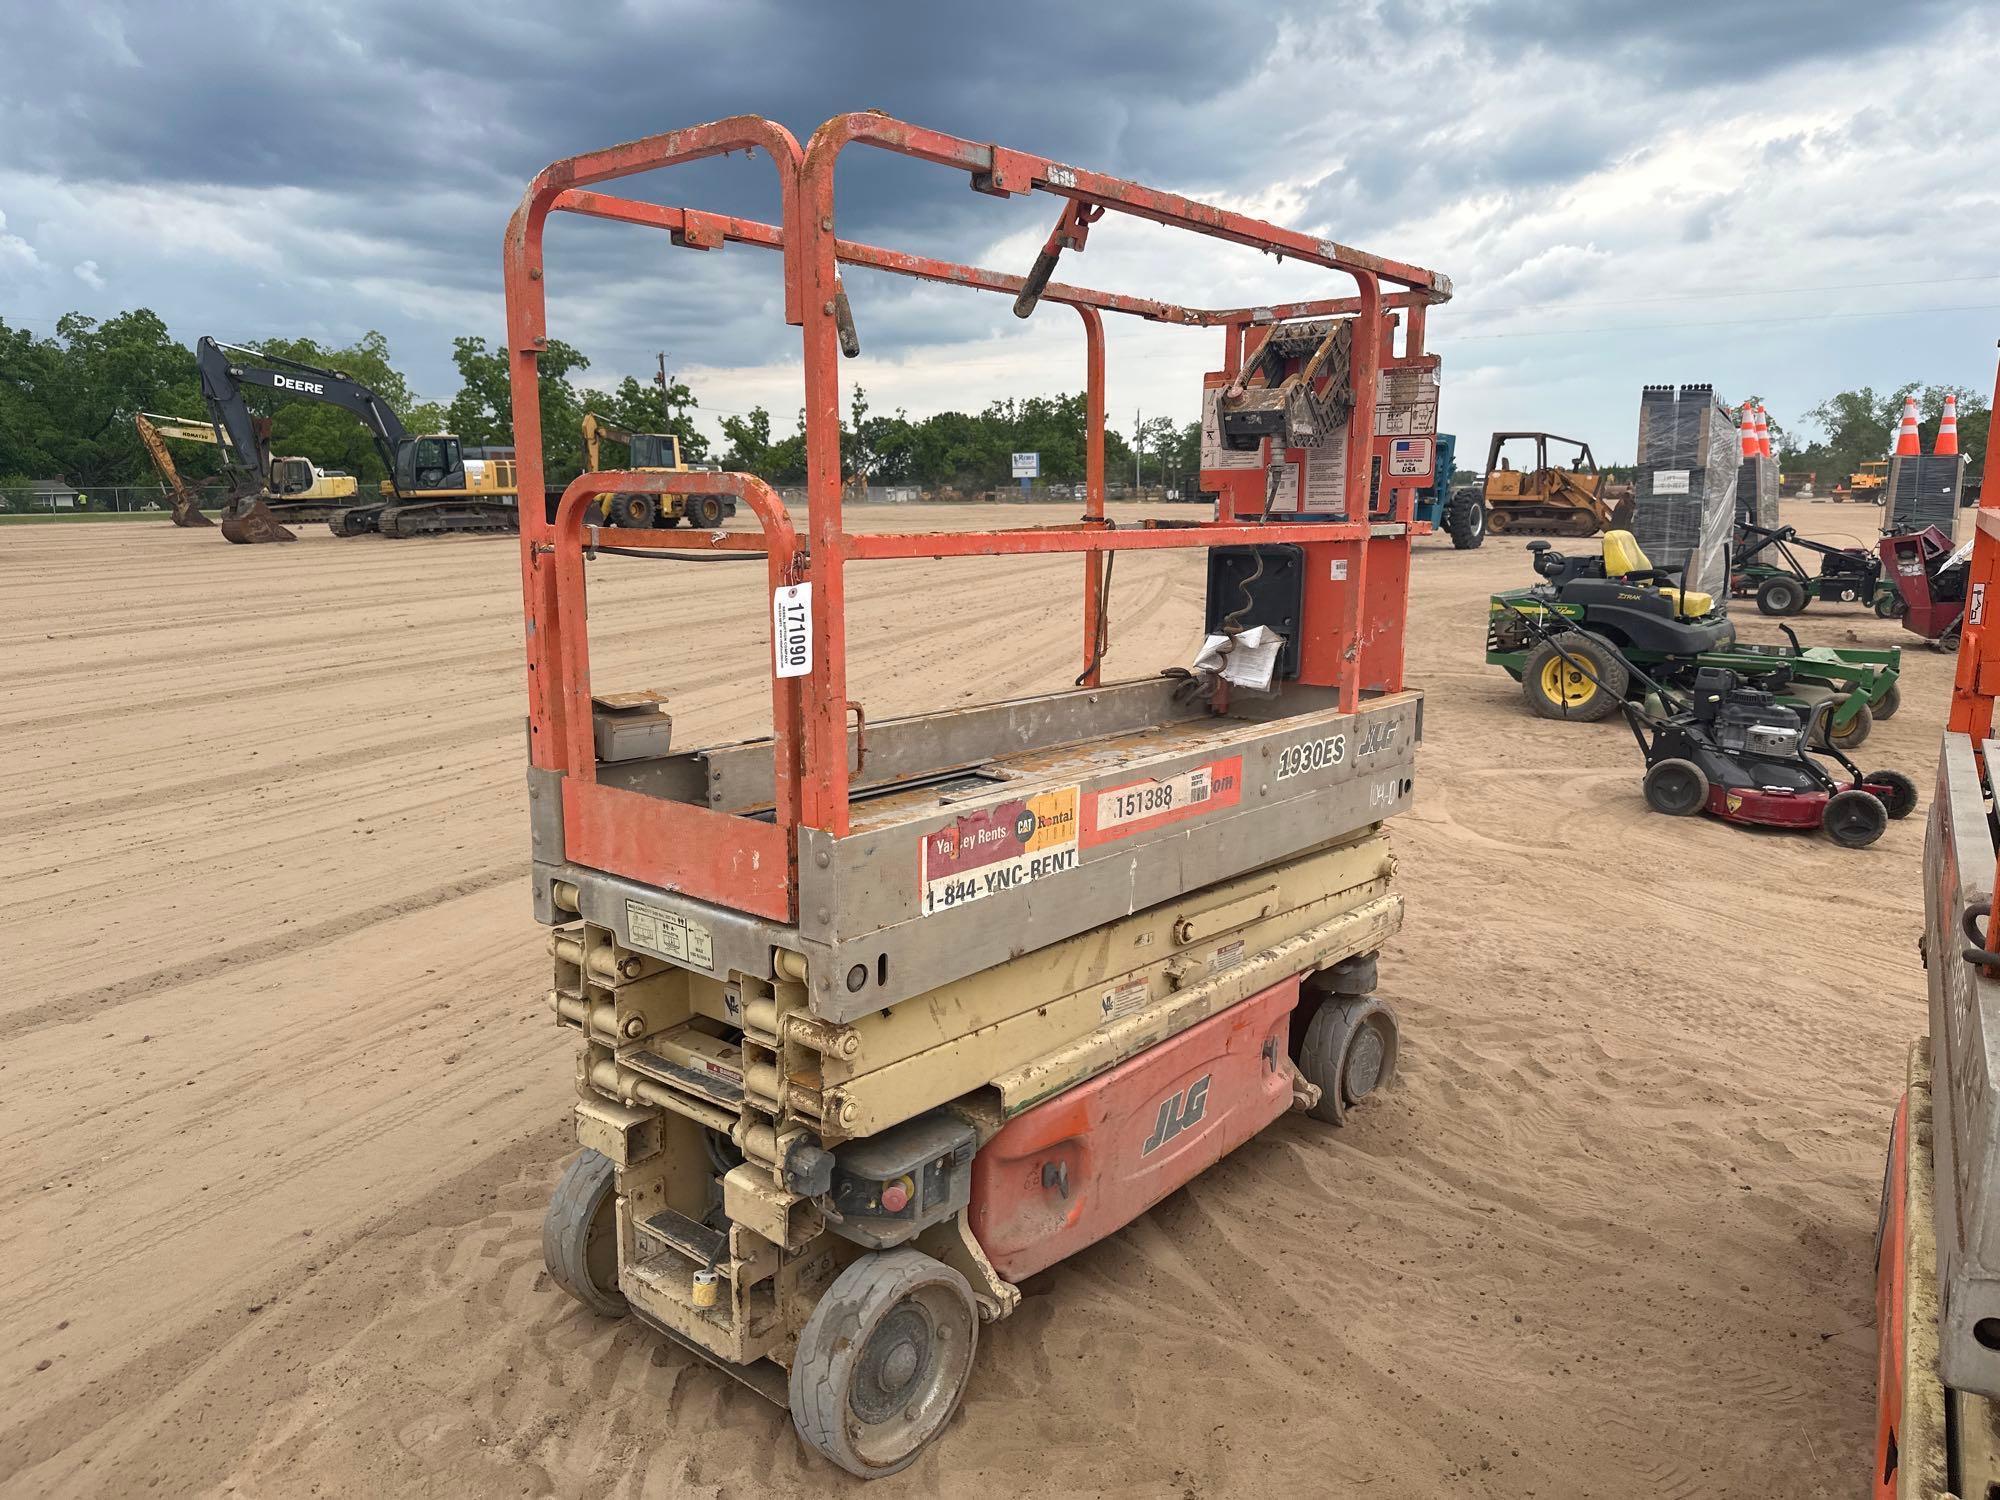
{"x":1541,"y":496}
{"x":652,"y":453}
{"x":292,"y":479}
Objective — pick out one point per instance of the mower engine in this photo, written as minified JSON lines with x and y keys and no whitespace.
{"x":1744,"y":718}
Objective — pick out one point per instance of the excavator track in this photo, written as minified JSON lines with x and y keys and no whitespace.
{"x":439,"y":517}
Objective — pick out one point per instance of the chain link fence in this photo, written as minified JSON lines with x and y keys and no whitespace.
{"x":41,"y":500}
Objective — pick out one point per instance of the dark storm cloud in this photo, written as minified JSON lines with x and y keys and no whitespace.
{"x":374,"y":99}
{"x":412,"y":129}
{"x":1671,"y":46}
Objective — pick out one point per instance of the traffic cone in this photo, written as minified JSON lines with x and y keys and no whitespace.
{"x":1748,"y":430}
{"x":1947,"y":438}
{"x":1763,"y":432}
{"x":1907,"y":445}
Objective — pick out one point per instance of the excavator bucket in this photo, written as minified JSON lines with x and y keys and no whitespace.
{"x":253,"y":522}
{"x":187,"y":510}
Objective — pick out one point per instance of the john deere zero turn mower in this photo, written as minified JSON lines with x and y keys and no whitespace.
{"x":1628,"y":610}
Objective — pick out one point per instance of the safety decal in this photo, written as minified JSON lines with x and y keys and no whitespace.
{"x":654,"y":929}
{"x":1139,"y":805}
{"x":999,"y":848}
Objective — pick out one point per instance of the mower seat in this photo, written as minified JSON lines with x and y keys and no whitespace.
{"x":1623,"y":557}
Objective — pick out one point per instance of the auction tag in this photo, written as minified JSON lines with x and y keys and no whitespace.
{"x":791,"y":630}
{"x":1670,"y":481}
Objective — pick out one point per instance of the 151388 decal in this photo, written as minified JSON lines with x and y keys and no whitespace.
{"x":1139,"y":805}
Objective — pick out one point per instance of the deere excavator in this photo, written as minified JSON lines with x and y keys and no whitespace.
{"x":435,"y":483}
{"x":295,"y":481}
{"x":651,"y":452}
{"x":1546,"y":497}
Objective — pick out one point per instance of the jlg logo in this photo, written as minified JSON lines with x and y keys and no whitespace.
{"x":1177,"y":1112}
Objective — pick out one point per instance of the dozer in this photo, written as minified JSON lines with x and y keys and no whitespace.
{"x":1626,"y":609}
{"x":1567,"y":501}
{"x":878,"y":1019}
{"x":435,"y":483}
{"x":651,"y":453}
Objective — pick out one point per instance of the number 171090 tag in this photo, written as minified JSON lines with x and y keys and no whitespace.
{"x":791,"y":630}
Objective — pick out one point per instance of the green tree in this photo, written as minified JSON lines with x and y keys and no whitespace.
{"x":67,"y":403}
{"x":1860,"y":425}
{"x":749,"y":437}
{"x":483,"y":410}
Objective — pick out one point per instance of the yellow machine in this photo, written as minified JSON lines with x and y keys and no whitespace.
{"x":1536,"y":495}
{"x":297,"y":480}
{"x":1869,"y":483}
{"x":653,"y":453}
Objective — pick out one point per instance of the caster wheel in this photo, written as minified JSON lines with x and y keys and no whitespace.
{"x":883,"y":1361}
{"x":580,"y":1234}
{"x":1897,"y":791}
{"x":1348,"y":1052}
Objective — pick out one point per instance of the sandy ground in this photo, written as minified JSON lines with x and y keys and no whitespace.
{"x":280,"y":1102}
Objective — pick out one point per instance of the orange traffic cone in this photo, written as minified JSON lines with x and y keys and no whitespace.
{"x":1907,"y":445}
{"x":1947,"y":438}
{"x":1748,"y":430}
{"x":1763,"y":432}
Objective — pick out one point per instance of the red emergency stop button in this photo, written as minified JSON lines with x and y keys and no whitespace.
{"x":896,"y":1196}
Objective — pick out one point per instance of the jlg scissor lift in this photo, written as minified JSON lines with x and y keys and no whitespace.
{"x":880,"y":1017}
{"x":1937,"y":1248}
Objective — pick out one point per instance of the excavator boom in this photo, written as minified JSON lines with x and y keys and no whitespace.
{"x":153,"y":431}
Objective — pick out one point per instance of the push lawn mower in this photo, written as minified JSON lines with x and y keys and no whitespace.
{"x":1725,"y":745}
{"x":1627,"y":613}
{"x":1765,"y":567}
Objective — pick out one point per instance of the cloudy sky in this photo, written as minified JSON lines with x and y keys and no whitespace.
{"x":1785,"y":197}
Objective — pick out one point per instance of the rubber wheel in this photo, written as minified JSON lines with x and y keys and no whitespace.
{"x":1856,"y":732}
{"x":883,"y":1361}
{"x":1556,"y":689}
{"x":1890,"y":701}
{"x":1854,"y":818}
{"x":1890,"y":606}
{"x":1677,"y":788}
{"x":1901,"y":797}
{"x":637,"y":512}
{"x":580,"y":1234}
{"x":1780,"y":596}
{"x":1466,"y":522}
{"x":703,"y":511}
{"x":1348,"y":1052}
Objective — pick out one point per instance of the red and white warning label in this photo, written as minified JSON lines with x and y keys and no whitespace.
{"x":1000,"y":849}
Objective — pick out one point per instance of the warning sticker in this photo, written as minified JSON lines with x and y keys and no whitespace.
{"x":1406,"y":402}
{"x":1122,"y":1001}
{"x":999,"y":848}
{"x":654,"y":929}
{"x":1139,"y":805}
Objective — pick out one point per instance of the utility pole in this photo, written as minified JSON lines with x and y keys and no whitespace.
{"x":1138,"y":439}
{"x":661,"y":381}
